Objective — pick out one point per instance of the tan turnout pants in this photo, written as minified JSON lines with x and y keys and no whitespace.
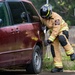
{"x":55,"y":49}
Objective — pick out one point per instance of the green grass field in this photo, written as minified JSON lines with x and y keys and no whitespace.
{"x":67,"y":63}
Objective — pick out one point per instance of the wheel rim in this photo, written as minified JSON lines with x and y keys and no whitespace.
{"x":37,"y":60}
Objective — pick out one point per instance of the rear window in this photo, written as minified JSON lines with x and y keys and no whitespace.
{"x":16,"y":11}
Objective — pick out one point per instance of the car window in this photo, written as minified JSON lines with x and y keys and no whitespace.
{"x":16,"y":10}
{"x":31,"y":11}
{"x":3,"y":15}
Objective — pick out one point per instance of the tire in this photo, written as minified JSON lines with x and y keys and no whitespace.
{"x":35,"y":66}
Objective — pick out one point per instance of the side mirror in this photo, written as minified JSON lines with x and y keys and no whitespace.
{"x":1,"y":21}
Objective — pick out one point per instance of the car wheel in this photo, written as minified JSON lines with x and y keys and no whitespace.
{"x":36,"y":64}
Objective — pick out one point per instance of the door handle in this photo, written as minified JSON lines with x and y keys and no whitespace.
{"x":17,"y":30}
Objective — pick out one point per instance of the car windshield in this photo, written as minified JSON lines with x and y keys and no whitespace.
{"x":3,"y":14}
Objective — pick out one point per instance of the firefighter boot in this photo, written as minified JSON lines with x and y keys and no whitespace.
{"x":57,"y":70}
{"x":72,"y":57}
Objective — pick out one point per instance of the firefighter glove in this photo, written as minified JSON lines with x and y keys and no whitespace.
{"x":47,"y":42}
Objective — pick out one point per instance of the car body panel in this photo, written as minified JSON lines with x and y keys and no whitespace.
{"x":17,"y":41}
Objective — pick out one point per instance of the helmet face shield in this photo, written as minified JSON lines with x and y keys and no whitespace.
{"x":46,"y":11}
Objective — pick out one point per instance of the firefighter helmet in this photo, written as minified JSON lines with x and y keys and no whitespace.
{"x":46,"y":11}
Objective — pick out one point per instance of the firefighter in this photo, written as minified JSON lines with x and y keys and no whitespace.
{"x":59,"y":33}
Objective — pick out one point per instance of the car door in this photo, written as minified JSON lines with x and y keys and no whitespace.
{"x":16,"y":9}
{"x":26,"y":32}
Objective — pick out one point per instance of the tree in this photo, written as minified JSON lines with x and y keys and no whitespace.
{"x":66,"y":9}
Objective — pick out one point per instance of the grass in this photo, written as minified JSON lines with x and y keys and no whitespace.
{"x":67,"y":63}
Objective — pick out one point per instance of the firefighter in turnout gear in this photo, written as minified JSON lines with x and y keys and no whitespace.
{"x":59,"y":34}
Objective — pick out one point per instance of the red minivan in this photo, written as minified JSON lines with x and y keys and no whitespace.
{"x":21,"y":36}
